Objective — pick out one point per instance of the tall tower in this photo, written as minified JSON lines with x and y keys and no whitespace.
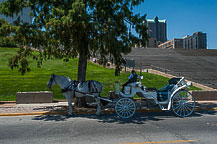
{"x":157,"y":30}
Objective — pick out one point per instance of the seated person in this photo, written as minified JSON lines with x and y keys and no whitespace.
{"x":131,"y":79}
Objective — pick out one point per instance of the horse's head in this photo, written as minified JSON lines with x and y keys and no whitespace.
{"x":51,"y":81}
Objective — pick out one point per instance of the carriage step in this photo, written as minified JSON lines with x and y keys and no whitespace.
{"x":164,"y":109}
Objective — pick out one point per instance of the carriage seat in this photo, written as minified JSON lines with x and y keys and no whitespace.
{"x":163,"y":93}
{"x":166,"y":88}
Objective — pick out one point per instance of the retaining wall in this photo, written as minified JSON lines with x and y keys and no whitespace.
{"x":34,"y":97}
{"x":205,"y":95}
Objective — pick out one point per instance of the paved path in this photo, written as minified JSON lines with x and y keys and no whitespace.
{"x":28,"y":108}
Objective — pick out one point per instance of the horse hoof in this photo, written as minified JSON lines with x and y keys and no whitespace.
{"x":70,"y":114}
{"x":98,"y":114}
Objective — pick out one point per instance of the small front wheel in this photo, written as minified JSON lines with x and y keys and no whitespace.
{"x":125,"y":108}
{"x":183,"y":103}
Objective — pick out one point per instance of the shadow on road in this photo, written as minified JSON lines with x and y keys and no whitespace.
{"x":138,"y":118}
{"x":104,"y":118}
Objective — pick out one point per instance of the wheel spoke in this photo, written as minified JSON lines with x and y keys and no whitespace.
{"x":119,"y":104}
{"x":181,"y":111}
{"x":120,"y":111}
{"x":125,"y":107}
{"x":187,"y":100}
{"x":128,"y":114}
{"x":178,"y":110}
{"x":176,"y":107}
{"x":189,"y":108}
{"x":183,"y":108}
{"x":188,"y":104}
{"x":176,"y":104}
{"x":183,"y":103}
{"x":188,"y":111}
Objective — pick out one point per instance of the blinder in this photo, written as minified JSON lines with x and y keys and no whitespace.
{"x":52,"y":78}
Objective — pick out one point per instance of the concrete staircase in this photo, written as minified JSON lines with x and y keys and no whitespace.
{"x":196,"y":65}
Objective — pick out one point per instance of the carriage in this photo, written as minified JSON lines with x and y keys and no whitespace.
{"x":172,"y":96}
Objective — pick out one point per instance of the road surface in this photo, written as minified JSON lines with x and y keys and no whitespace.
{"x":143,"y":128}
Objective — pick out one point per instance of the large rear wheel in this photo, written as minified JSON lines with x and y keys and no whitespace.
{"x":183,"y":103}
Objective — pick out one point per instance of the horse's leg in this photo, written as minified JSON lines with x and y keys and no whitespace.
{"x":98,"y":111}
{"x":69,"y":99}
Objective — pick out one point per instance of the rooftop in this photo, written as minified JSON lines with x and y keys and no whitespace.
{"x":152,"y":21}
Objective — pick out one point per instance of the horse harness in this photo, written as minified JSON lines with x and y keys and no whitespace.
{"x":72,"y":87}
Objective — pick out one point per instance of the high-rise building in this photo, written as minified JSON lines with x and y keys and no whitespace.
{"x":157,"y":30}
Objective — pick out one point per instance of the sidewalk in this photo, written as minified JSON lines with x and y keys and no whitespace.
{"x":13,"y":109}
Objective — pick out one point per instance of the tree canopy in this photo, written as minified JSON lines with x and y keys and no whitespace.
{"x":72,"y":28}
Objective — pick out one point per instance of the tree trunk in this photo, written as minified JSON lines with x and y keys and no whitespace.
{"x":82,"y":66}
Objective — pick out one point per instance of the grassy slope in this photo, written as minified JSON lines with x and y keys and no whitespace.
{"x":11,"y":81}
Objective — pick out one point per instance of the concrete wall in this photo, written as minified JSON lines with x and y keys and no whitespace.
{"x":34,"y":97}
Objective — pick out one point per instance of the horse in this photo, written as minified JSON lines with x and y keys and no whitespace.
{"x":71,"y":88}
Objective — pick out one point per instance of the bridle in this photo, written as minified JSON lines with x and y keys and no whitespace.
{"x":52,"y":79}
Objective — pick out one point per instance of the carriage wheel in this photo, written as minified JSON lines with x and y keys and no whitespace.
{"x":183,"y":103}
{"x":125,"y":107}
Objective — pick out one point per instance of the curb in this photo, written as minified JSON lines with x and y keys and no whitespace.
{"x":91,"y":112}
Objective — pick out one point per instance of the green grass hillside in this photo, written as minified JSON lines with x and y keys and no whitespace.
{"x":11,"y":81}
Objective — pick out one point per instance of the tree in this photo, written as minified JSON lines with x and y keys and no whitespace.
{"x":73,"y":28}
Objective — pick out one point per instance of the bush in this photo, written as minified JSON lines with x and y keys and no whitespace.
{"x":7,"y":43}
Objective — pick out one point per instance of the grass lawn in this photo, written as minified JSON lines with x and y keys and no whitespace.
{"x":11,"y":81}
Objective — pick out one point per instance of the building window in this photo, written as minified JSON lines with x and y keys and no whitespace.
{"x":196,"y":42}
{"x":188,"y":43}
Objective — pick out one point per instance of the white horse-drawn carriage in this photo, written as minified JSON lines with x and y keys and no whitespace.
{"x":172,"y":96}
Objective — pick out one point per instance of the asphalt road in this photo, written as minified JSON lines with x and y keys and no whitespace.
{"x":143,"y":128}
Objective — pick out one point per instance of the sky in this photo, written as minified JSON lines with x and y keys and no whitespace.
{"x":184,"y":17}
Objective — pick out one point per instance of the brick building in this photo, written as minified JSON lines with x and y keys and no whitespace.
{"x":197,"y":41}
{"x":172,"y":44}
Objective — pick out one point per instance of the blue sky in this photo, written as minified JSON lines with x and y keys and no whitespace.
{"x":184,"y":17}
